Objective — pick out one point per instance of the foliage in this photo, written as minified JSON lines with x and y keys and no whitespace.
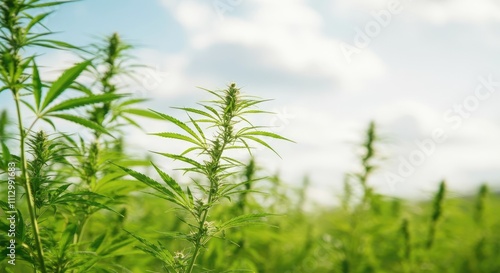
{"x":232,"y":130}
{"x":85,"y":204}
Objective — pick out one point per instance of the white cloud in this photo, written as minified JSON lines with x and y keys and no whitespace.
{"x":291,"y":38}
{"x":437,"y":12}
{"x":461,"y":11}
{"x":290,"y":34}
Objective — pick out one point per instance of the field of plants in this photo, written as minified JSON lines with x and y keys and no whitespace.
{"x":80,"y":201}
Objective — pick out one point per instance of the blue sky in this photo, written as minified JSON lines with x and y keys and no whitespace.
{"x":331,"y":67}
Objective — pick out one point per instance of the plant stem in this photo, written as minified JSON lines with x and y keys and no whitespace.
{"x":204,"y":216}
{"x":198,"y":241}
{"x":212,"y":174}
{"x":27,"y":185}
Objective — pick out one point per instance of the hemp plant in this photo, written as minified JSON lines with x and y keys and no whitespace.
{"x":48,"y":101}
{"x":437,"y":213}
{"x":361,"y":211}
{"x":225,"y":118}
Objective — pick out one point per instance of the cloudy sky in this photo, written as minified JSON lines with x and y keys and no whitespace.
{"x":427,"y":72}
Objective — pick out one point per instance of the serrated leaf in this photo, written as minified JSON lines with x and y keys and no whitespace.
{"x":158,"y":251}
{"x":211,"y":109}
{"x":142,"y":113}
{"x":182,"y":158}
{"x":200,"y":131}
{"x":148,"y":181}
{"x":244,"y":220}
{"x":260,"y":141}
{"x":132,"y":101}
{"x":82,"y":121}
{"x":37,"y":86}
{"x":63,"y":82}
{"x":190,"y":196}
{"x":36,"y":20}
{"x":57,"y":44}
{"x":196,"y":111}
{"x":170,"y":182}
{"x":116,"y":244}
{"x":188,"y":150}
{"x":27,"y":104}
{"x":66,"y":239}
{"x":47,"y":4}
{"x":5,"y":154}
{"x":82,"y":101}
{"x":177,"y":136}
{"x":97,"y":242}
{"x":266,"y":134}
{"x":180,"y":124}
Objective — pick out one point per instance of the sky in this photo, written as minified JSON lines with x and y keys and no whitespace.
{"x":427,"y":72}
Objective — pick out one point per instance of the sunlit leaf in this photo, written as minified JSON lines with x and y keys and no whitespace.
{"x":63,"y":82}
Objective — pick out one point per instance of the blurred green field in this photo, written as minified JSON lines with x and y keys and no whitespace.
{"x":389,"y":235}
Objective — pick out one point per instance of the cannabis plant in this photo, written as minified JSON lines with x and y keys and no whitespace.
{"x":227,"y":128}
{"x":49,"y":182}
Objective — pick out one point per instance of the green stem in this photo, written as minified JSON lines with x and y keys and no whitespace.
{"x":198,"y":241}
{"x":30,"y":198}
{"x":200,"y":229}
{"x":211,"y":192}
{"x":224,"y":137}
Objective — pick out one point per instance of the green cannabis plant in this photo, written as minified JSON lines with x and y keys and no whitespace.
{"x":226,"y":120}
{"x":63,"y":181}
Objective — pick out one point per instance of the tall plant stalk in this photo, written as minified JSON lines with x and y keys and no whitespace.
{"x":13,"y":77}
{"x":226,"y":115}
{"x":17,"y":21}
{"x":437,"y":212}
{"x":27,"y":185}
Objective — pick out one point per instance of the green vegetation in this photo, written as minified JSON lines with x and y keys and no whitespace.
{"x":84,"y":204}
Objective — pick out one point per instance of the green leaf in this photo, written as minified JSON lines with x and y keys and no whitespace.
{"x":116,"y":244}
{"x":260,"y":141}
{"x":157,"y":250}
{"x":49,"y":122}
{"x":190,"y":196}
{"x":37,"y":86}
{"x":22,"y":67}
{"x":67,"y":238}
{"x":179,"y":123}
{"x":211,"y":109}
{"x":82,"y":88}
{"x":266,"y":134}
{"x":132,"y":122}
{"x":83,"y":101}
{"x":255,"y":111}
{"x":5,"y":154}
{"x":148,"y":181}
{"x":97,"y":242}
{"x":196,"y":111}
{"x":132,"y":101}
{"x":63,"y":82}
{"x":27,"y":104}
{"x":249,"y":103}
{"x":36,"y":20}
{"x":182,"y":158}
{"x":244,"y":220}
{"x":200,"y":131}
{"x":82,"y":121}
{"x":177,"y":136}
{"x":32,"y":4}
{"x":57,"y":44}
{"x":171,"y":183}
{"x":188,"y":150}
{"x":142,"y":113}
